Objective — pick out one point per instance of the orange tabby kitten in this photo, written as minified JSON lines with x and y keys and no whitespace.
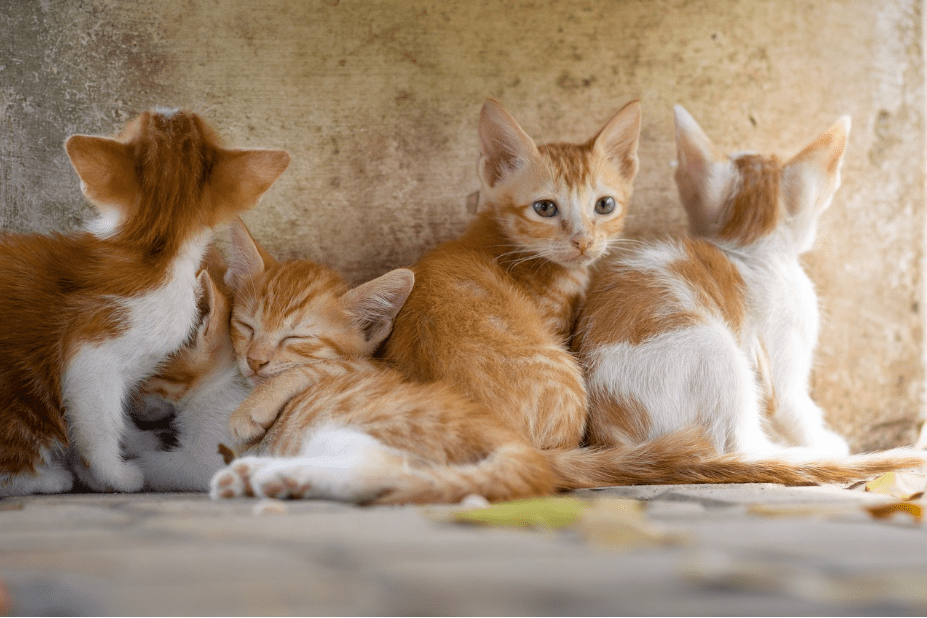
{"x":326,"y":421}
{"x":89,"y":315}
{"x":492,"y":311}
{"x":342,"y":425}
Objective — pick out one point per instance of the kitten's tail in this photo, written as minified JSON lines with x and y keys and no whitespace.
{"x":514,"y":470}
{"x":688,"y":457}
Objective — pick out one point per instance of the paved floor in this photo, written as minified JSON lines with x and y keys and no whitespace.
{"x":686,"y":550}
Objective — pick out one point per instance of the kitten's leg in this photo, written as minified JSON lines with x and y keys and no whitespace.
{"x":93,"y":390}
{"x":802,"y":422}
{"x":50,"y":477}
{"x":337,"y":464}
{"x":264,"y":404}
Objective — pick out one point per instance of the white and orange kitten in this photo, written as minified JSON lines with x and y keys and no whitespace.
{"x":200,"y":385}
{"x":88,"y":315}
{"x":717,"y":330}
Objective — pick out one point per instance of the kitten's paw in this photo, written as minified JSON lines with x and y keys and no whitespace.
{"x":123,"y":477}
{"x":282,"y":483}
{"x":243,"y":428}
{"x":234,"y":480}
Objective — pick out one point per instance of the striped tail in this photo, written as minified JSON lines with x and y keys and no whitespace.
{"x":516,"y":470}
{"x":688,"y":457}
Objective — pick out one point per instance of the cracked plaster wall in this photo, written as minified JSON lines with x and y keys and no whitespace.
{"x":377,"y":103}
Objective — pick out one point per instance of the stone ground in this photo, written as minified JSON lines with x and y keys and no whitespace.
{"x":684,"y":550}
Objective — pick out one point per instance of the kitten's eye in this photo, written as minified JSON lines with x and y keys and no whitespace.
{"x":242,"y":326}
{"x":605,"y":205}
{"x":545,"y":208}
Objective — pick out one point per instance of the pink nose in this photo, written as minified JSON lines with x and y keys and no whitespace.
{"x":581,"y":242}
{"x":256,"y":365}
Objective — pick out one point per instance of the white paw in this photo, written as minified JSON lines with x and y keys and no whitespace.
{"x":234,"y":480}
{"x":283,"y":482}
{"x":123,"y":476}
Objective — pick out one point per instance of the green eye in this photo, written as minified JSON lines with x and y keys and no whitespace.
{"x":545,"y":208}
{"x":605,"y":205}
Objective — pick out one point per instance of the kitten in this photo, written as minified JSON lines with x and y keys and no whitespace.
{"x":327,"y":421}
{"x":91,"y":314}
{"x":492,"y":311}
{"x":201,"y":386}
{"x":717,"y":330}
{"x":341,"y":425}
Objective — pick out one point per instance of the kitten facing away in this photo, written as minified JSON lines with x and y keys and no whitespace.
{"x":492,"y":311}
{"x":327,"y":421}
{"x":717,"y":330}
{"x":200,"y":385}
{"x":89,"y":315}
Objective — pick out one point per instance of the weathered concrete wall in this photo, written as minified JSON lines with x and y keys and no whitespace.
{"x":377,"y":103}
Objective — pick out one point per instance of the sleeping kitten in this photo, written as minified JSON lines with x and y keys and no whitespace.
{"x":341,"y":425}
{"x":492,"y":311}
{"x":717,"y":330}
{"x":91,"y":314}
{"x":326,"y":421}
{"x":201,"y":386}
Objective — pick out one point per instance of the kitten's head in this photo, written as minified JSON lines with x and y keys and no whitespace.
{"x":288,"y":314}
{"x":167,"y":176}
{"x":745,"y":198}
{"x":562,"y":202}
{"x":209,"y":349}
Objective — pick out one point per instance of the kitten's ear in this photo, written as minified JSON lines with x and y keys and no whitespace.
{"x":213,"y":305}
{"x":504,"y":146}
{"x":813,"y":175}
{"x":240,"y":177}
{"x":810,"y":180}
{"x":106,"y":170}
{"x":703,"y":175}
{"x":248,"y":259}
{"x":619,"y":138}
{"x":376,"y":303}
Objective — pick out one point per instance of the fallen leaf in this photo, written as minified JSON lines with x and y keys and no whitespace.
{"x":902,"y":485}
{"x":887,"y":510}
{"x":554,"y":512}
{"x":622,"y":524}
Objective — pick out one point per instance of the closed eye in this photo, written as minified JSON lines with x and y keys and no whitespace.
{"x":244,"y":326}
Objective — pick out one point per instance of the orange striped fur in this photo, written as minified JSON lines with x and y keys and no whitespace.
{"x":85,"y":312}
{"x":710,"y":338}
{"x":492,"y":312}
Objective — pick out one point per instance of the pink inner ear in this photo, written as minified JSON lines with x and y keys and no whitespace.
{"x":504,"y":146}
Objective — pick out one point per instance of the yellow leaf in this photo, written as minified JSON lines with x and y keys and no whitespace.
{"x":554,"y":512}
{"x":887,"y":510}
{"x":903,"y":485}
{"x":621,"y":524}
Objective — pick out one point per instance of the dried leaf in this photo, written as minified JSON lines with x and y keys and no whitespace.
{"x":902,"y":485}
{"x":555,"y":512}
{"x":622,"y":524}
{"x":887,"y":510}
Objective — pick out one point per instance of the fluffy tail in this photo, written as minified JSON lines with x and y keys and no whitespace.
{"x":688,"y":457}
{"x":512,"y":471}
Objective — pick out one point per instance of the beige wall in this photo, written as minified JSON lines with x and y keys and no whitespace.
{"x":377,"y":103}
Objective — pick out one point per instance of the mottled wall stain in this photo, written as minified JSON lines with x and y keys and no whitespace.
{"x":378,"y":102}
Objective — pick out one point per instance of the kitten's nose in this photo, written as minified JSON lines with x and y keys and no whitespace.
{"x":581,"y":242}
{"x":256,"y":364}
